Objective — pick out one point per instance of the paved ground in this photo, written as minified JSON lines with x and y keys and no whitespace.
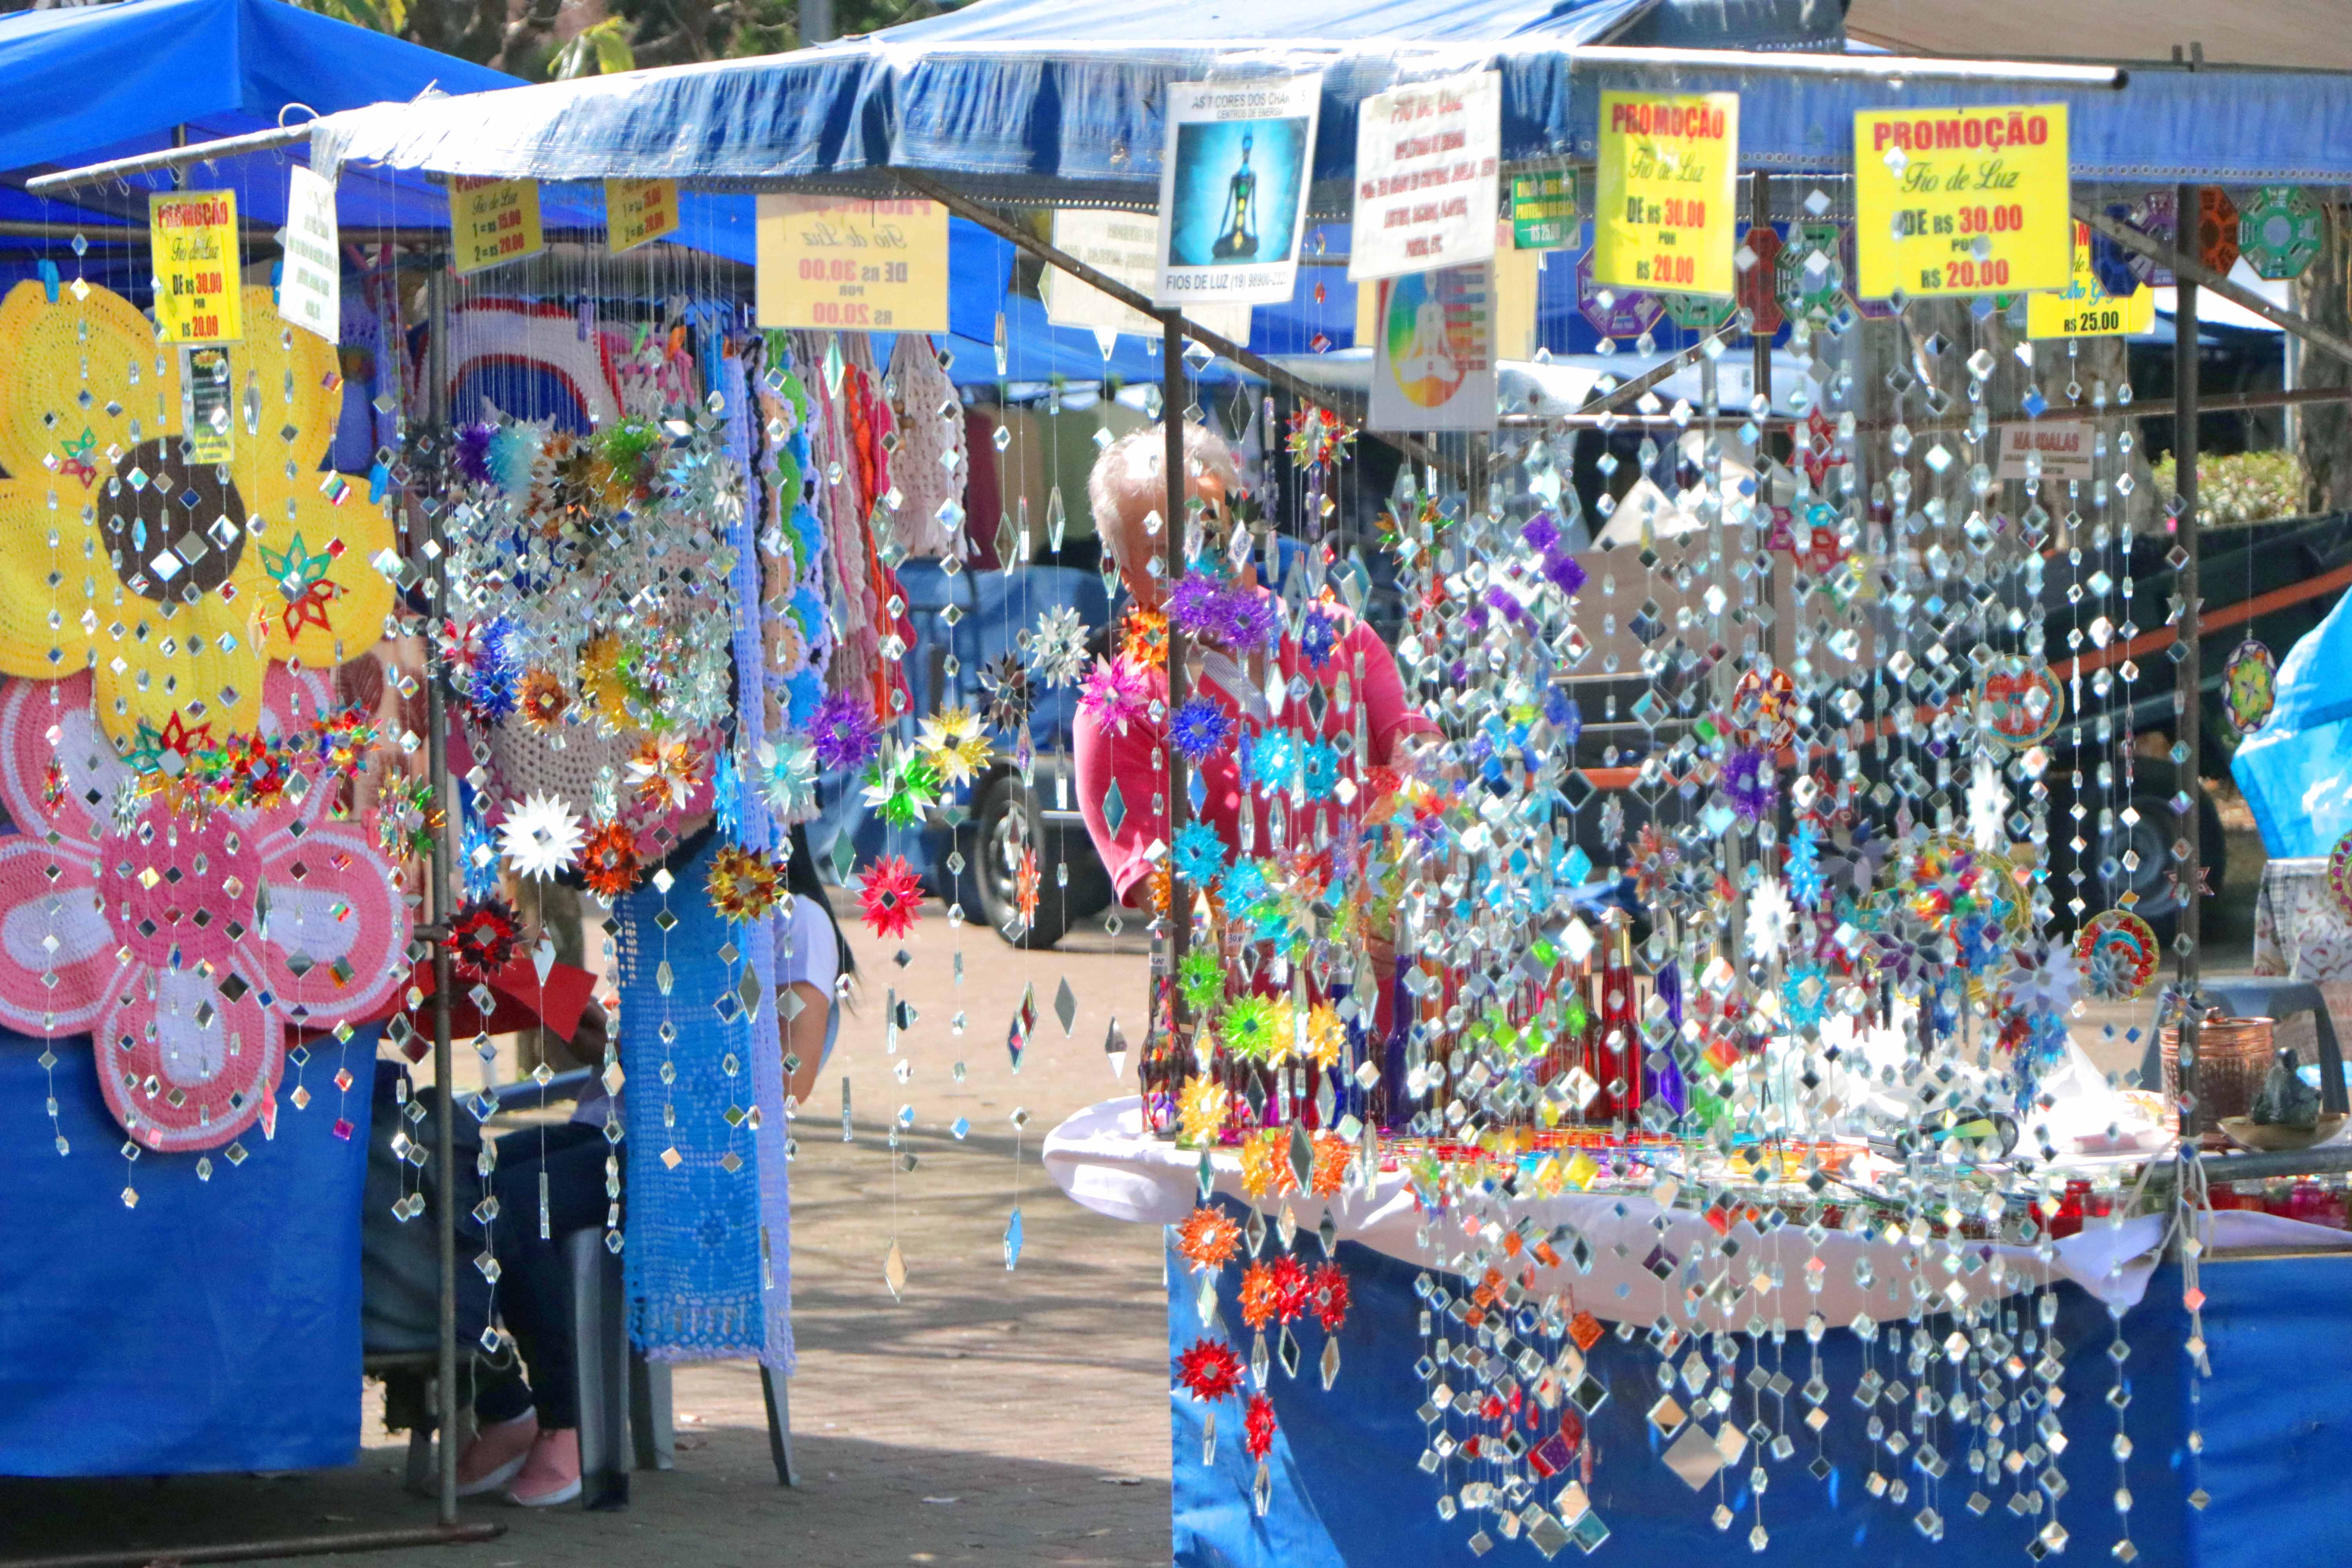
{"x":989,"y":1417}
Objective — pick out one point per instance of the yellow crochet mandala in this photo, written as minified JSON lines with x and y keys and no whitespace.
{"x":175,"y":582}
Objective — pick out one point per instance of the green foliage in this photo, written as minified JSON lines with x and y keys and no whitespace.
{"x":388,"y":16}
{"x":601,"y":49}
{"x":523,"y":38}
{"x":2246,"y":487}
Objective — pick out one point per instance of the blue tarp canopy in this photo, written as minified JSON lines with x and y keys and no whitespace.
{"x":2296,"y":770}
{"x":1055,"y":100}
{"x":94,"y":83}
{"x":1711,"y":23}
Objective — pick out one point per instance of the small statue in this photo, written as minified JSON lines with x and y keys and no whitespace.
{"x":2284,"y":1099}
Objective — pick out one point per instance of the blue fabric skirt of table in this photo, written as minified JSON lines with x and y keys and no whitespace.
{"x":216,"y":1326}
{"x":2276,"y":1419}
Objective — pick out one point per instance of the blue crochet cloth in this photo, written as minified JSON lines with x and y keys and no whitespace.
{"x":692,"y":1258}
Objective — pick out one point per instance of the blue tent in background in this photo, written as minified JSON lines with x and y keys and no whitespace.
{"x":103,"y":81}
{"x":99,"y":82}
{"x":93,"y":83}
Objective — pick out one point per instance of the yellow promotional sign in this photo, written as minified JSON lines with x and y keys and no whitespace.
{"x":2083,"y":309}
{"x":853,"y":266}
{"x":1663,"y":211}
{"x":1960,"y":201}
{"x":192,"y":236}
{"x":639,"y":212}
{"x":1519,"y":280}
{"x":492,"y":221}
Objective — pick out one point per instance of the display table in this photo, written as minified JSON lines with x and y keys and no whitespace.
{"x":1347,"y":1489}
{"x":216,"y":1326}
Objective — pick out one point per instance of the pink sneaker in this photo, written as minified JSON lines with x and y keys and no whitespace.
{"x":552,"y":1474}
{"x":496,"y":1454}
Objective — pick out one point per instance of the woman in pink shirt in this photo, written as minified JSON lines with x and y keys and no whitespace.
{"x":1303,"y":703}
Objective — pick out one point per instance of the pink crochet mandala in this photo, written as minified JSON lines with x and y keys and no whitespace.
{"x":186,"y":946}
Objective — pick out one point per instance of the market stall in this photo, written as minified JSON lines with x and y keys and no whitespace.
{"x":121,"y":1243}
{"x":1613,"y":1031}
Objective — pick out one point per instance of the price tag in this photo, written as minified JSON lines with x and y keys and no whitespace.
{"x":311,"y":283}
{"x":1426,"y":159}
{"x":192,"y":236}
{"x":1961,"y":201}
{"x":2084,"y":309}
{"x":492,"y":221}
{"x":1662,"y":211}
{"x":205,"y":395}
{"x":1543,"y":210}
{"x":853,"y":266}
{"x":639,"y":212}
{"x":2062,"y":447}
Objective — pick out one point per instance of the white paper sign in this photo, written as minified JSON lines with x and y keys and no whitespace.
{"x":310,"y":282}
{"x":1124,"y":246}
{"x":1233,"y":189}
{"x":1427,"y":158}
{"x":1434,"y":351}
{"x":2063,"y":447}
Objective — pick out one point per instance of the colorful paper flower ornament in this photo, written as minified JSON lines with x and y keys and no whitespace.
{"x":1261,"y":1296}
{"x":1327,"y":1297}
{"x":539,"y":837}
{"x":187,"y":947}
{"x":484,"y":934}
{"x":843,"y":732}
{"x":1257,"y":1426}
{"x":901,"y":784}
{"x":1204,"y":1106}
{"x":609,"y":863}
{"x":742,"y":886}
{"x":891,"y":896}
{"x":1199,"y":728}
{"x":1209,"y":1370}
{"x":956,"y":745}
{"x":787,"y":776}
{"x":1209,"y":1238}
{"x":1057,"y":646}
{"x":1114,"y":695}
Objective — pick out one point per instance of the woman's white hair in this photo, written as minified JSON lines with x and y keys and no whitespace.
{"x":1126,"y":487}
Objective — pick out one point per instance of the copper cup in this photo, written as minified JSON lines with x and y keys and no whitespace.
{"x":2233,"y":1056}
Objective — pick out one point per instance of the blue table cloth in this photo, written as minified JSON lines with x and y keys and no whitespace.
{"x":216,"y":1326}
{"x":1347,"y":1489}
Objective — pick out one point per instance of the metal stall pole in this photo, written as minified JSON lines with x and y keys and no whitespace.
{"x":1760,"y":215}
{"x":444,"y":1134}
{"x":2188,"y":698}
{"x":1173,"y":401}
